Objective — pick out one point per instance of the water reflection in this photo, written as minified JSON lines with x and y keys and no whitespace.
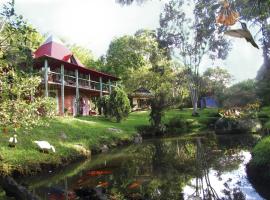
{"x":157,"y":169}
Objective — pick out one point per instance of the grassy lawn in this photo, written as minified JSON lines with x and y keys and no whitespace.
{"x":90,"y":132}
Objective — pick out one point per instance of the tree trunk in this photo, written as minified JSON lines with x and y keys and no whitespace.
{"x":194,"y":100}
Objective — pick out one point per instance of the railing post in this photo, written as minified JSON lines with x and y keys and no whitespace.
{"x":100,"y":86}
{"x":46,"y":69}
{"x":110,"y":86}
{"x":77,"y":91}
{"x":89,"y":83}
{"x":63,"y":88}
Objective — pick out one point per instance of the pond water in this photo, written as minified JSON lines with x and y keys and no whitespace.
{"x":169,"y":168}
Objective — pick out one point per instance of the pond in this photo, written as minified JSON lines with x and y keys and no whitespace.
{"x":168,"y":168}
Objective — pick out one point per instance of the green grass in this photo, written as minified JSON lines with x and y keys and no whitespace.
{"x":259,"y":166}
{"x":91,"y":132}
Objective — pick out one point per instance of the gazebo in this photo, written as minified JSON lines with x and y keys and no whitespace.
{"x":67,"y":80}
{"x":140,"y":99}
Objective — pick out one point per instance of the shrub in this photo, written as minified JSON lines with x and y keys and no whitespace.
{"x":259,"y":166}
{"x":146,"y":130}
{"x":118,"y":105}
{"x":177,"y":125}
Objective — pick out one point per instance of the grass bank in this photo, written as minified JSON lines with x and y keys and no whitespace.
{"x":89,"y":132}
{"x":259,"y":166}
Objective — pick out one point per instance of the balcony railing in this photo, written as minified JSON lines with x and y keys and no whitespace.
{"x":55,"y":78}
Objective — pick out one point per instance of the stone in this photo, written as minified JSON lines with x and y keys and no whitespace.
{"x":137,"y":139}
{"x":114,"y":130}
{"x":80,"y":148}
{"x":104,"y":148}
{"x":63,"y":136}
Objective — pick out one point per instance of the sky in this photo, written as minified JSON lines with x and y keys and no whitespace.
{"x":95,"y":23}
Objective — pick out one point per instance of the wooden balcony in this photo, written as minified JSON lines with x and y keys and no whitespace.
{"x":54,"y":78}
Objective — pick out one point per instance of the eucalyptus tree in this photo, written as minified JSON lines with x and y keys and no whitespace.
{"x":189,"y":30}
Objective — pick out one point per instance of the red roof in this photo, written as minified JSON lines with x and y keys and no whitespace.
{"x":53,"y":48}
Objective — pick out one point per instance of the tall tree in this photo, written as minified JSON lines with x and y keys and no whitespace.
{"x":129,"y":53}
{"x":191,"y":36}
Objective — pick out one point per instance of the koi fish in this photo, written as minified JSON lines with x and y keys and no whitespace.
{"x":103,"y":184}
{"x":134,"y":185}
{"x":99,"y":172}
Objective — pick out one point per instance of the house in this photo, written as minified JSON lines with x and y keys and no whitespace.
{"x":66,"y":79}
{"x":140,"y":99}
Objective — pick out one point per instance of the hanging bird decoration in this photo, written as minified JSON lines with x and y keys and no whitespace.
{"x":12,"y":141}
{"x":227,"y":16}
{"x":242,"y":33}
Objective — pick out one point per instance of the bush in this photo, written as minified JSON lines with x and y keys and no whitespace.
{"x":146,"y":130}
{"x":259,"y":166}
{"x":177,"y":125}
{"x":118,"y":105}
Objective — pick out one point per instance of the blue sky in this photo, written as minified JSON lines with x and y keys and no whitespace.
{"x":94,"y":23}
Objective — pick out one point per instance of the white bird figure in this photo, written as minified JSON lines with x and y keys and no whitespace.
{"x":45,"y":146}
{"x":12,"y":141}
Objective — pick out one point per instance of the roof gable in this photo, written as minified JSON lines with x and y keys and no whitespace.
{"x":54,"y":48}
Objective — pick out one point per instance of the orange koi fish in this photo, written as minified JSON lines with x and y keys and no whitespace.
{"x":99,"y":172}
{"x":134,"y":185}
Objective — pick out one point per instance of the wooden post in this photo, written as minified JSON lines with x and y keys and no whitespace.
{"x":77,"y":91}
{"x":110,"y":86}
{"x":100,"y":86}
{"x":46,"y":69}
{"x":89,"y":82}
{"x":63,"y":88}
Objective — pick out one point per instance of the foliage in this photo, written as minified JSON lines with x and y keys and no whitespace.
{"x":118,"y":105}
{"x":245,"y":89}
{"x":103,"y":105}
{"x":248,"y":111}
{"x":128,"y":54}
{"x":17,"y":38}
{"x":215,"y":81}
{"x":84,"y":55}
{"x":263,"y":89}
{"x":259,"y":167}
{"x":177,"y":125}
{"x":19,"y":106}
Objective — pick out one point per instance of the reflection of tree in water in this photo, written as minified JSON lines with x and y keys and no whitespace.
{"x":162,"y":169}
{"x":229,"y":160}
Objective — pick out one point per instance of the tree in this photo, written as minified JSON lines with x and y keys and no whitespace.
{"x":192,"y":37}
{"x":84,"y":55}
{"x":129,"y":53}
{"x":215,"y":81}
{"x":118,"y":105}
{"x":19,"y":106}
{"x":240,"y":94}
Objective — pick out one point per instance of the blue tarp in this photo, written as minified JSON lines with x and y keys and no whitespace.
{"x":208,"y":102}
